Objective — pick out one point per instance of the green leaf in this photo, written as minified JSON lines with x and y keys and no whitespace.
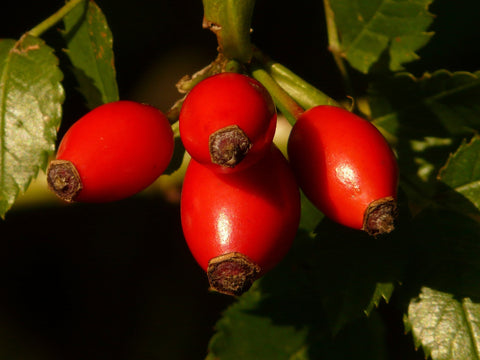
{"x":31,"y":97}
{"x":90,"y":49}
{"x":444,"y":268}
{"x":243,"y":333}
{"x":447,"y":327}
{"x":425,"y":119}
{"x":444,"y":253}
{"x":289,"y":324}
{"x":383,"y":292}
{"x":440,"y":104}
{"x":369,"y":28}
{"x":352,"y":271}
{"x":462,"y":176}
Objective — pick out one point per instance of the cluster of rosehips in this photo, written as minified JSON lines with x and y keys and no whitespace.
{"x":240,"y":203}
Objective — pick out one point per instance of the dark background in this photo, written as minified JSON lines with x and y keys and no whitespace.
{"x":116,"y":281}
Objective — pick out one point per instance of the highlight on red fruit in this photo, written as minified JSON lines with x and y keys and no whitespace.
{"x":346,"y":168}
{"x":227,"y":121}
{"x":113,"y":152}
{"x":240,"y":225}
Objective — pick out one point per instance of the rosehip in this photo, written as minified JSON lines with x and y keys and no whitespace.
{"x":111,"y":153}
{"x":240,"y":225}
{"x":226,"y":120}
{"x":346,"y":168}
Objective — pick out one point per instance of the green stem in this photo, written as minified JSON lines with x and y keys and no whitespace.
{"x":54,"y":18}
{"x":285,"y":103}
{"x":174,"y":112}
{"x":176,"y":129}
{"x":303,"y":92}
{"x":230,"y":21}
{"x":334,"y":44}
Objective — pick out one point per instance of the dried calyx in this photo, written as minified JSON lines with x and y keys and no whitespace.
{"x":232,"y":273}
{"x":380,"y":216}
{"x":64,"y":180}
{"x":228,"y":146}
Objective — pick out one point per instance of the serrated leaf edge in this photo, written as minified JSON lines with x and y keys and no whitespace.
{"x":375,"y":302}
{"x":366,"y":29}
{"x":464,"y":145}
{"x":425,"y":77}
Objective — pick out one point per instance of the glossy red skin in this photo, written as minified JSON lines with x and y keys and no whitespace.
{"x":222,"y":100}
{"x":342,"y":163}
{"x":255,"y":212}
{"x":119,"y":149}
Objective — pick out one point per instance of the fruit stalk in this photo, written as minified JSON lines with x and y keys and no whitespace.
{"x":230,"y":21}
{"x":285,"y":103}
{"x":54,"y":18}
{"x":305,"y":94}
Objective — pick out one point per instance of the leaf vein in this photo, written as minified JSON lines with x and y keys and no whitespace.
{"x":470,"y":329}
{"x":455,"y":90}
{"x":428,"y":100}
{"x":365,"y":30}
{"x":4,"y":79}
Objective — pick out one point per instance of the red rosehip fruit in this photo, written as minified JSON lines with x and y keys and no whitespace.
{"x":227,"y":121}
{"x":113,"y":152}
{"x":240,"y":225}
{"x":346,"y":168}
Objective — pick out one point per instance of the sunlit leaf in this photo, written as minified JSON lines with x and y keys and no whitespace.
{"x":31,"y":97}
{"x":444,"y":273}
{"x":445,"y":326}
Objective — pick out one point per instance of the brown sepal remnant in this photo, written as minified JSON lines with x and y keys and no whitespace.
{"x":380,"y":216}
{"x":232,"y":273}
{"x":210,"y":25}
{"x":216,"y":29}
{"x":228,"y":146}
{"x":64,"y":180}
